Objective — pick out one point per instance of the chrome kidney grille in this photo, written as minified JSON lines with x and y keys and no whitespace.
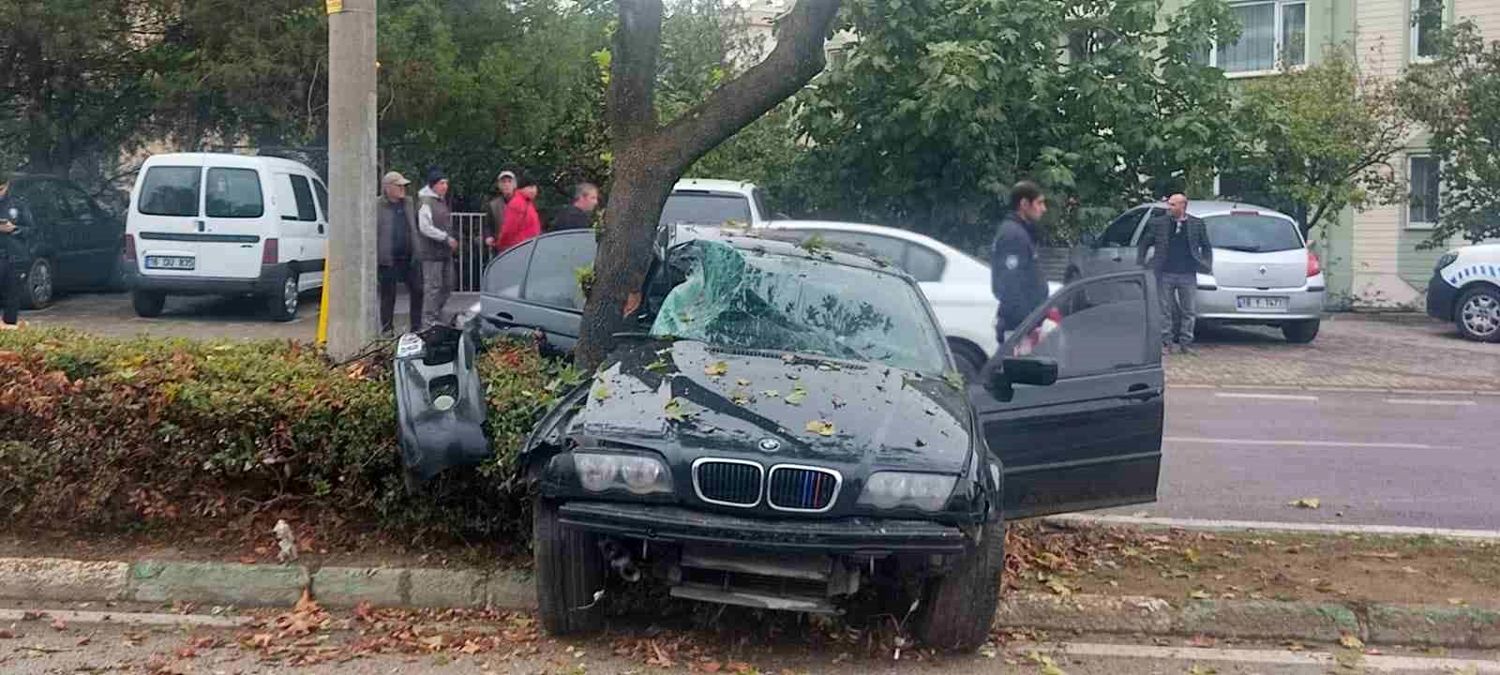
{"x":728,"y":482}
{"x":806,"y":489}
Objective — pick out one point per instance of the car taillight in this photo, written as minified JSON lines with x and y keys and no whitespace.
{"x":271,"y":253}
{"x":1314,"y":266}
{"x":128,"y":252}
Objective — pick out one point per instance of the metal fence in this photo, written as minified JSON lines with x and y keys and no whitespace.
{"x":473,"y":255}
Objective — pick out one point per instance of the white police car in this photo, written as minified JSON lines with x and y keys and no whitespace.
{"x":1465,"y":289}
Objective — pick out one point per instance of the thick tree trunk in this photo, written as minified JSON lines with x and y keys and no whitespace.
{"x":649,"y":158}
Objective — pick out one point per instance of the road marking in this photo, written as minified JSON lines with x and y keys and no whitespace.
{"x":1297,"y":444}
{"x":1269,"y":397}
{"x":1427,"y":401}
{"x":127,"y":618}
{"x":1212,"y":525}
{"x":1368,"y":663}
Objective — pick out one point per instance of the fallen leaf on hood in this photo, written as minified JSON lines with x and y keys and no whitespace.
{"x":676,"y":411}
{"x":601,"y":393}
{"x":771,"y":393}
{"x":716,"y":369}
{"x":657,"y":366}
{"x":798,"y":395}
{"x":1306,"y":503}
{"x":740,"y":397}
{"x":821,"y":427}
{"x":742,"y":382}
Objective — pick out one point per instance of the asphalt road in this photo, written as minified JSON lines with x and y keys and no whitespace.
{"x":1370,"y":458}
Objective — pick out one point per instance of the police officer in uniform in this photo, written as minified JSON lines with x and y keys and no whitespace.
{"x":1015,"y":275}
{"x":14,"y":220}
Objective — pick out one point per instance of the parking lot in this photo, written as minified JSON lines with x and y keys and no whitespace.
{"x":1357,"y":351}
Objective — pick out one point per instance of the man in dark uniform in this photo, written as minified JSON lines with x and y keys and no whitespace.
{"x":14,"y":221}
{"x":1182,"y":251}
{"x":1015,"y":275}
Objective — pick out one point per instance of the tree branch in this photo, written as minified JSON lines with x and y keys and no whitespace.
{"x":797,"y":58}
{"x":632,"y":82}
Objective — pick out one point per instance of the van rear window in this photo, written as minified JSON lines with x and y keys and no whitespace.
{"x":234,"y":193}
{"x":170,"y":191}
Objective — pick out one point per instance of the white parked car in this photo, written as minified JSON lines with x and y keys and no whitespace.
{"x":713,"y":202}
{"x":1465,"y":289}
{"x":956,"y":284}
{"x":224,"y":224}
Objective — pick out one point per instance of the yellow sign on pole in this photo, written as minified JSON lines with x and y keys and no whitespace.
{"x":335,"y":6}
{"x":323,"y":309}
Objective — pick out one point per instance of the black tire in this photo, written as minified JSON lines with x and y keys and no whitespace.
{"x":968,"y":358}
{"x":148,"y":304}
{"x":1477,"y":314}
{"x":569,"y":571}
{"x":282,"y":303}
{"x":39,"y":288}
{"x":1301,"y":332}
{"x":958,"y":608}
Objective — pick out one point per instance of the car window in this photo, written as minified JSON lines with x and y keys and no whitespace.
{"x":286,"y":201}
{"x":924,"y":264}
{"x":705,"y":208}
{"x":504,"y":276}
{"x":759,"y":196}
{"x":42,"y":202}
{"x":322,"y":193}
{"x":1098,"y":327}
{"x":302,"y":192}
{"x":889,"y":249}
{"x":1140,"y":228}
{"x":77,"y":205}
{"x":552,"y":278}
{"x":1121,"y":229}
{"x":171,"y":191}
{"x":234,"y":193}
{"x":1252,"y":233}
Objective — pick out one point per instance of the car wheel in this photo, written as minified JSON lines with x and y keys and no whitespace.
{"x":148,"y":304}
{"x":39,"y":287}
{"x":569,"y":573}
{"x":283,"y":303}
{"x":1478,"y":315}
{"x":969,"y":359}
{"x":957,"y":609}
{"x":1301,"y":332}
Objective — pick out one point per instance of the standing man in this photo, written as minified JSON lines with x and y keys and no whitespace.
{"x":1015,"y":275}
{"x":14,"y":220}
{"x":1181,"y":251}
{"x":505,"y":186}
{"x":436,"y":246}
{"x":521,"y":220}
{"x":578,"y":215}
{"x":396,"y":231}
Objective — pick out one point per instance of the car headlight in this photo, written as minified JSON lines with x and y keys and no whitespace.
{"x":1447,"y":259}
{"x":893,"y":489}
{"x":633,"y":473}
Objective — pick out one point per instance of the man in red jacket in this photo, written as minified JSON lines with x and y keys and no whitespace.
{"x":521,"y":220}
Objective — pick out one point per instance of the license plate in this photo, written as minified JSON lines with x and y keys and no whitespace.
{"x":170,"y":262}
{"x":1262,"y":303}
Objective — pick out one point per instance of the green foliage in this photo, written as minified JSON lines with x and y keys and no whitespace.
{"x":1321,"y":138}
{"x":941,"y":105}
{"x":1457,"y":97}
{"x":104,"y":434}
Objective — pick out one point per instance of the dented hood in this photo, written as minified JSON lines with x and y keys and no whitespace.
{"x":690,"y":399}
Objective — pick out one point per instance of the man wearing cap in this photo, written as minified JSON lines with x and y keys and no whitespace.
{"x":14,"y":218}
{"x":521,"y":220}
{"x":396,"y":228}
{"x":436,"y":245}
{"x":505,"y":185}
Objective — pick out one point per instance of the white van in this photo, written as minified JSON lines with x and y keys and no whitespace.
{"x":222,"y":224}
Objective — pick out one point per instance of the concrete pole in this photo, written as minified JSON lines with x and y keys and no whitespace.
{"x":352,"y":182}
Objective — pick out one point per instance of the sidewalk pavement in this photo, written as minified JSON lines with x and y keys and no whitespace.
{"x":52,"y":580}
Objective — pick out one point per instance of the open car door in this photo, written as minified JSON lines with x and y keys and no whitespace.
{"x":1073,"y":402}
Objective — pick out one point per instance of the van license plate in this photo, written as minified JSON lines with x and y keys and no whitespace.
{"x":170,"y":262}
{"x":1262,"y":303}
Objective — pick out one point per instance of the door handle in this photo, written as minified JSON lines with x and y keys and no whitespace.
{"x":200,"y":224}
{"x":1141,"y":392}
{"x":505,"y":316}
{"x":320,"y":228}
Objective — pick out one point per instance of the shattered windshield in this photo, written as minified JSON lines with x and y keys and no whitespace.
{"x":758,"y":300}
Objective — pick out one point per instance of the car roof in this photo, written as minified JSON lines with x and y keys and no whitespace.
{"x":885,"y":230}
{"x":714,"y":185}
{"x":757,"y":240}
{"x":225,"y":159}
{"x":1213,"y":207}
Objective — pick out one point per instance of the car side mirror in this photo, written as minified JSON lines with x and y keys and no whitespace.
{"x":1036,"y":371}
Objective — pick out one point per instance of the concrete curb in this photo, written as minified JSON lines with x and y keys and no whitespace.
{"x":60,"y":580}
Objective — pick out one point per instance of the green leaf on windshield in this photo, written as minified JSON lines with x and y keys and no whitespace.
{"x":676,"y":410}
{"x":601,"y":392}
{"x":954,"y":380}
{"x":658,"y":366}
{"x":798,"y":395}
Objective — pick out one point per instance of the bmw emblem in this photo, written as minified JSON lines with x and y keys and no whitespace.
{"x":769,"y":445}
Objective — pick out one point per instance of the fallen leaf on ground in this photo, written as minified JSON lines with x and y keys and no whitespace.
{"x":1199,"y":594}
{"x":1201,"y":670}
{"x":1351,"y":641}
{"x":59,"y":624}
{"x":1305,"y":503}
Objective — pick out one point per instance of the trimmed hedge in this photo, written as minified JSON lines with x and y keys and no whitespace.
{"x":104,"y":434}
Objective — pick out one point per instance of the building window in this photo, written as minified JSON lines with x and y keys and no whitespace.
{"x":1426,"y":27}
{"x":1422,"y":172}
{"x":1273,"y":34}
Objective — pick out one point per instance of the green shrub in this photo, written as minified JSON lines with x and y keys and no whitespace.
{"x":105,"y":434}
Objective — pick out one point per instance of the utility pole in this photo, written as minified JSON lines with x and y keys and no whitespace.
{"x":351,"y":176}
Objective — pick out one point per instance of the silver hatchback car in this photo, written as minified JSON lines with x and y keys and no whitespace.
{"x":1263,"y":272}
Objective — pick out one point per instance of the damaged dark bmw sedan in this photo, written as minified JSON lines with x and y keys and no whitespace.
{"x":787,"y":429}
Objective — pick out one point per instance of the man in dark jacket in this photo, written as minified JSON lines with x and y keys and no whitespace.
{"x":15,"y":219}
{"x":436,"y":242}
{"x":1181,"y":252}
{"x":578,"y":215}
{"x":396,"y":229}
{"x":1015,"y":275}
